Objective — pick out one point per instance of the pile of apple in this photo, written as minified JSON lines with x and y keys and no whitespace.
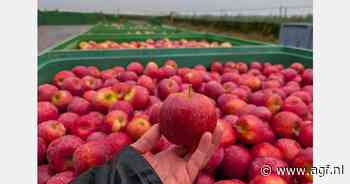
{"x":87,"y":115}
{"x":151,"y":44}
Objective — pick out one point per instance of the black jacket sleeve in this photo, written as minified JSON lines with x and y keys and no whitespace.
{"x":129,"y":167}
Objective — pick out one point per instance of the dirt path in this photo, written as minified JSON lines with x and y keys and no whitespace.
{"x":50,"y":35}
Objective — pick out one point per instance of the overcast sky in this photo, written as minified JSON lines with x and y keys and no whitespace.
{"x":156,"y":6}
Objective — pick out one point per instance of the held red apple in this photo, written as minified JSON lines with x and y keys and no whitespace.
{"x":236,"y":162}
{"x":60,"y":152}
{"x":138,"y":97}
{"x":61,"y":99}
{"x":61,"y":76}
{"x":137,"y":127}
{"x":115,"y":121}
{"x":46,"y":111}
{"x":289,"y":148}
{"x":90,"y":155}
{"x":51,"y":130}
{"x":46,"y":91}
{"x":68,"y":119}
{"x":286,"y":124}
{"x":250,"y":129}
{"x":184,"y":117}
{"x":167,"y":87}
{"x":61,"y":178}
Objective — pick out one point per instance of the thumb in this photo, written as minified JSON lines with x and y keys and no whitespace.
{"x":148,"y":140}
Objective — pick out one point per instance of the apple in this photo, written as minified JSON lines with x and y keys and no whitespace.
{"x":126,"y":76}
{"x":262,"y":112}
{"x":250,"y":129}
{"x":105,"y":98}
{"x":166,"y":71}
{"x":233,"y":106}
{"x":289,"y":148}
{"x":230,"y":77}
{"x":80,"y":71}
{"x":87,"y":124}
{"x":253,"y":82}
{"x":115,"y":120}
{"x":89,"y":95}
{"x":296,"y":105}
{"x":213,"y":89}
{"x":154,"y":113}
{"x":110,"y":82}
{"x":185,"y":116}
{"x":229,"y":135}
{"x":46,"y":91}
{"x":118,"y":69}
{"x":60,"y":152}
{"x":236,"y":162}
{"x":74,"y":85}
{"x":273,"y":102}
{"x":304,"y":96}
{"x":256,"y":65}
{"x":117,"y":141}
{"x":286,"y":124}
{"x":307,"y":77}
{"x":46,"y":111}
{"x":61,"y":99}
{"x":177,"y":79}
{"x":137,"y":127}
{"x":108,"y":74}
{"x":51,"y":130}
{"x":298,"y":67}
{"x":41,"y":150}
{"x":167,"y":87}
{"x":305,"y":136}
{"x":194,"y":78}
{"x":216,"y":67}
{"x":147,"y":83}
{"x":44,"y":174}
{"x":258,"y":163}
{"x":304,"y":159}
{"x":79,"y":106}
{"x":123,"y":106}
{"x":171,"y":63}
{"x":59,"y":77}
{"x":214,"y":161}
{"x":268,"y":179}
{"x":138,"y":97}
{"x":242,"y":67}
{"x":265,"y":149}
{"x":90,"y":154}
{"x":232,"y":119}
{"x":61,"y":178}
{"x":91,"y":83}
{"x":135,"y":67}
{"x":68,"y":119}
{"x":203,"y":178}
{"x":151,"y":70}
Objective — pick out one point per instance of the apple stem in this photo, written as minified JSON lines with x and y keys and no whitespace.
{"x":190,"y":91}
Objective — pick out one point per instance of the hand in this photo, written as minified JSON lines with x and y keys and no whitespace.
{"x":175,"y":165}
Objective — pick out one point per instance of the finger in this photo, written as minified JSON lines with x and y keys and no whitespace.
{"x":217,"y":135}
{"x":178,"y":150}
{"x":148,"y":140}
{"x":198,"y":159}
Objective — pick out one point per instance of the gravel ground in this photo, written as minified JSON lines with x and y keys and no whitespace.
{"x":50,"y":35}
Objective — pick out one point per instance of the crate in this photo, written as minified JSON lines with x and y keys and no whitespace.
{"x":53,"y":62}
{"x":72,"y":44}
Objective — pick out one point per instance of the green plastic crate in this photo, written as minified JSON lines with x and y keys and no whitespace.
{"x":53,"y":62}
{"x":72,"y":44}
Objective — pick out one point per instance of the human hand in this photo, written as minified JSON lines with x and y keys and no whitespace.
{"x":175,"y":165}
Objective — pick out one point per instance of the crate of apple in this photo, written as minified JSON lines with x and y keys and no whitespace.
{"x":151,"y":44}
{"x":87,"y":115}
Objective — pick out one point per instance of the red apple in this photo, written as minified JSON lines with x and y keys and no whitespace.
{"x":203,"y":178}
{"x":273,"y":102}
{"x":127,"y":75}
{"x":138,"y":97}
{"x":146,"y":82}
{"x":303,"y":95}
{"x":60,"y":152}
{"x":61,"y":99}
{"x":216,"y":67}
{"x":296,"y":105}
{"x":289,"y":148}
{"x":123,"y":106}
{"x":268,"y":180}
{"x":233,"y":106}
{"x":74,"y":85}
{"x":80,"y":71}
{"x":105,"y":98}
{"x":135,"y":67}
{"x":96,"y":136}
{"x":253,"y":82}
{"x":110,"y":82}
{"x":87,"y":124}
{"x":171,"y":63}
{"x":151,"y":70}
{"x":184,"y":117}
{"x":51,"y":130}
{"x":194,"y":78}
{"x":266,"y":149}
{"x":307,"y":77}
{"x":41,"y":150}
{"x":213,"y":89}
{"x":94,"y":71}
{"x":304,"y":160}
{"x":286,"y":124}
{"x":108,"y":74}
{"x":215,"y":161}
{"x":162,"y":145}
{"x":298,"y":67}
{"x":137,"y":127}
{"x":91,"y":83}
{"x":68,"y":119}
{"x":89,"y":95}
{"x":61,"y":76}
{"x":236,"y":162}
{"x":114,"y":121}
{"x":44,"y":174}
{"x":46,"y":91}
{"x":230,"y":77}
{"x":79,"y":106}
{"x":46,"y":111}
{"x":306,"y":136}
{"x":117,"y":141}
{"x":250,"y":129}
{"x":61,"y":178}
{"x":232,"y":119}
{"x":259,"y":163}
{"x":167,"y":87}
{"x":229,"y":135}
{"x":255,"y":65}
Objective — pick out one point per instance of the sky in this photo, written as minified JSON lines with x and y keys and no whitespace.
{"x":162,"y":6}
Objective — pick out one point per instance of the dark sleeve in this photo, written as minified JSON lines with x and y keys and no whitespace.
{"x":129,"y":167}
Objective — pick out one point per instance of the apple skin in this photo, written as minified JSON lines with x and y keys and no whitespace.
{"x":273,"y":102}
{"x":298,"y":67}
{"x":60,"y":152}
{"x":261,"y":162}
{"x":306,"y":136}
{"x":46,"y":91}
{"x":114,"y":121}
{"x":166,"y":72}
{"x":68,"y":119}
{"x":59,"y":77}
{"x":74,"y":85}
{"x":123,"y":106}
{"x":89,"y":96}
{"x":61,"y":178}
{"x":154,"y":113}
{"x":194,"y":78}
{"x":41,"y":150}
{"x":94,"y":71}
{"x":229,"y":135}
{"x":104,"y":99}
{"x":267,"y":179}
{"x":250,"y":129}
{"x":80,"y":71}
{"x":162,"y":145}
{"x":110,"y":82}
{"x":289,"y":148}
{"x":232,"y":119}
{"x":304,"y":96}
{"x":204,"y":178}
{"x":296,"y":105}
{"x":47,"y":111}
{"x":138,"y":97}
{"x":167,"y":87}
{"x":236,"y":162}
{"x":289,"y":74}
{"x":286,"y":124}
{"x":242,"y":67}
{"x":79,"y":106}
{"x":108,"y":74}
{"x":256,"y":65}
{"x":87,"y":124}
{"x":232,"y":181}
{"x":126,"y":76}
{"x":214,"y":161}
{"x":147,"y":83}
{"x":96,"y":136}
{"x":262,"y":112}
{"x":51,"y":130}
{"x":304,"y":160}
{"x":121,"y":89}
{"x":217,"y":67}
{"x":233,"y":106}
{"x":265,"y":149}
{"x":185,"y":116}
{"x":89,"y":155}
{"x":171,"y":63}
{"x":91,"y":83}
{"x":117,"y":141}
{"x":137,"y":127}
{"x":135,"y":67}
{"x":230,"y":77}
{"x":44,"y":174}
{"x":151,"y":70}
{"x":307,"y":77}
{"x":253,"y":82}
{"x":213,"y":89}
{"x":61,"y":99}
